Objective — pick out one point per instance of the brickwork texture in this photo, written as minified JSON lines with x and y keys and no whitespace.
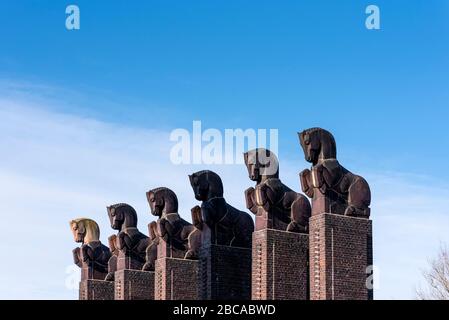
{"x":225,"y":273}
{"x":96,"y":290}
{"x":176,"y":279}
{"x":280,"y":265}
{"x":340,"y":252}
{"x":134,"y":285}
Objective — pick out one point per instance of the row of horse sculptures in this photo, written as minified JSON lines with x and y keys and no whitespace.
{"x":275,"y":206}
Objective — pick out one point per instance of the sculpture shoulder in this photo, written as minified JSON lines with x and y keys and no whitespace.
{"x":94,"y":245}
{"x":214,"y":204}
{"x":334,"y":168}
{"x":330,"y":164}
{"x":237,"y":214}
{"x":134,"y":233}
{"x":172,"y":218}
{"x":278,"y":189}
{"x":104,"y":248}
{"x":276,"y":184}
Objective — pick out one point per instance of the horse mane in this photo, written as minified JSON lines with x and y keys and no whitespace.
{"x":167,"y":193}
{"x":129,"y":213}
{"x":214,"y":180}
{"x":327,"y":141}
{"x":91,"y":227}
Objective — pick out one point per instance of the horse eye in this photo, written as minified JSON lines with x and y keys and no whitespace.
{"x":152,"y":200}
{"x":307,"y":142}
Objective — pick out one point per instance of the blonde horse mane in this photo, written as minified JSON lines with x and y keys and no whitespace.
{"x":91,"y":229}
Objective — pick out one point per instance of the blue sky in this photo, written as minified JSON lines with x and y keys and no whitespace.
{"x":144,"y":68}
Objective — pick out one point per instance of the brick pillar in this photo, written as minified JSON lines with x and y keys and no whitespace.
{"x":91,"y":289}
{"x":88,"y":272}
{"x":280,"y":265}
{"x":176,"y":278}
{"x":134,"y":285}
{"x":225,"y":273}
{"x":340,"y":251}
{"x":92,"y":285}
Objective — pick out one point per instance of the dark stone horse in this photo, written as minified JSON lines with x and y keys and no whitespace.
{"x":228,"y":226}
{"x":338,"y":190}
{"x":183,"y":238}
{"x":275,"y":205}
{"x":129,"y":241}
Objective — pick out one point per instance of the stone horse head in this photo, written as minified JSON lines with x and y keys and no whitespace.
{"x":162,"y":201}
{"x":206,"y":185}
{"x":122,"y":216}
{"x":92,"y":256}
{"x":318,"y":145}
{"x":183,"y":239}
{"x":261,"y":164}
{"x":227,"y":225}
{"x":85,"y":230}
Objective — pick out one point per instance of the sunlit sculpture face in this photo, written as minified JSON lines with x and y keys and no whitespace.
{"x":85,"y":230}
{"x":200,"y":187}
{"x":311,"y":146}
{"x":252,"y":165}
{"x":116,"y":218}
{"x":156,"y":203}
{"x":78,"y":231}
{"x":261,"y":163}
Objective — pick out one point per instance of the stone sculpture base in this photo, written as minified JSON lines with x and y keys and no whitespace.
{"x":96,"y":290}
{"x":176,"y":279}
{"x":340,"y":252}
{"x":225,"y":273}
{"x":280,"y":265}
{"x":134,"y":285}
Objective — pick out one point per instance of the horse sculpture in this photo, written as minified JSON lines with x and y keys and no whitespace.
{"x":92,"y":253}
{"x":151,"y":251}
{"x":183,"y":238}
{"x":228,"y":226}
{"x":275,"y":205}
{"x":130,"y":242}
{"x":333,"y":188}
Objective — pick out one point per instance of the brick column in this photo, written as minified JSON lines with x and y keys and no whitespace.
{"x":280,"y":265}
{"x":92,"y":285}
{"x":225,"y":273}
{"x":134,"y":285}
{"x":91,"y":289}
{"x":340,"y":251}
{"x":176,"y":278}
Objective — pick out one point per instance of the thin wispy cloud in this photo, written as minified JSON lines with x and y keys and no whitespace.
{"x":55,"y":167}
